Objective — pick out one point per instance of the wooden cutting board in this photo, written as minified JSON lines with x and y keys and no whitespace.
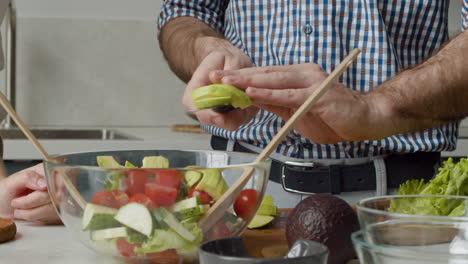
{"x":269,"y":241}
{"x":7,"y":230}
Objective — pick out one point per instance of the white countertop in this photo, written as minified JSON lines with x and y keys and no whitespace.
{"x":48,"y":245}
{"x":149,"y":138}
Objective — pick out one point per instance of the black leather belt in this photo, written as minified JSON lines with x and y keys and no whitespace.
{"x":313,"y":178}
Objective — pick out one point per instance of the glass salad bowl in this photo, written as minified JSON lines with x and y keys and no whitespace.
{"x":412,"y":208}
{"x":413,"y":242}
{"x":412,"y":229}
{"x":144,"y":206}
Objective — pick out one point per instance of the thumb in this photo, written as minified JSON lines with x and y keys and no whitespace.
{"x":30,"y":178}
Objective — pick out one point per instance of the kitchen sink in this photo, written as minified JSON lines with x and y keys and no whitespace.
{"x":89,"y":134}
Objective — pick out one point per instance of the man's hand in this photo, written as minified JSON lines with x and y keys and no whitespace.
{"x":340,"y":115}
{"x":24,"y":196}
{"x":221,"y":55}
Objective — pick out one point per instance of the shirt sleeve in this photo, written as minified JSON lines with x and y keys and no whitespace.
{"x":464,"y":15}
{"x":211,"y":12}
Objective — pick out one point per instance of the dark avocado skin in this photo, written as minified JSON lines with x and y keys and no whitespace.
{"x":326,"y":219}
{"x":223,"y":109}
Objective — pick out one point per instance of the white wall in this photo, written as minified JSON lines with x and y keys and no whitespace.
{"x":102,"y":9}
{"x":93,"y":63}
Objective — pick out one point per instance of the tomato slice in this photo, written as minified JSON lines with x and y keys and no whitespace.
{"x":126,"y":249}
{"x":114,"y":198}
{"x":121,"y":198}
{"x":205,"y":198}
{"x":136,"y":180}
{"x":168,"y":178}
{"x":161,"y":195}
{"x":143,"y":199}
{"x":105,"y":198}
{"x":244,"y":206}
{"x":169,"y":256}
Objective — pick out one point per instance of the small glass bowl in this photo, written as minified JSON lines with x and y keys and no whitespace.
{"x":412,"y":242}
{"x":412,"y":207}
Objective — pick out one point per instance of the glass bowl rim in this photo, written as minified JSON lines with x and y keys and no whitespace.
{"x":392,"y":250}
{"x":360,"y":206}
{"x":96,"y":168}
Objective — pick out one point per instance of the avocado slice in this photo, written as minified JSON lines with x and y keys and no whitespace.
{"x":128,"y":164}
{"x":268,"y":199}
{"x":215,"y":95}
{"x":154,"y":162}
{"x":260,"y":221}
{"x":107,"y":162}
{"x":192,"y":177}
{"x":265,"y":214}
{"x":267,"y":206}
{"x":212,"y":183}
{"x":266,"y":209}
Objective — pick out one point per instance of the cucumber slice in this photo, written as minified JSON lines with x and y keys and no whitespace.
{"x":98,"y":217}
{"x":135,"y":236}
{"x":159,"y":162}
{"x":175,"y":225}
{"x":109,"y":233}
{"x":137,"y":217}
{"x":159,"y":219}
{"x":188,"y":213}
{"x":192,"y":220}
{"x":186,"y":204}
{"x":192,"y":177}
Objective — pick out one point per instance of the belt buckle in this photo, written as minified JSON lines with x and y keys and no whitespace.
{"x":283,"y":176}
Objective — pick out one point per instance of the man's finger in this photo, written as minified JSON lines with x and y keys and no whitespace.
{"x":35,"y":181}
{"x":31,"y":178}
{"x":291,"y":98}
{"x":230,"y":120}
{"x":306,"y":67}
{"x":274,"y":80}
{"x":283,"y":112}
{"x":32,"y":200}
{"x":45,"y":214}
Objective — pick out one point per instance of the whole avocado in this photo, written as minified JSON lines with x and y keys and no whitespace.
{"x":326,"y":219}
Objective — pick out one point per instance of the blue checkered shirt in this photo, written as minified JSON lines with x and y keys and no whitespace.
{"x":392,"y":34}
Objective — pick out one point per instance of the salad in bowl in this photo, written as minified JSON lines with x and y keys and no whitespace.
{"x":144,"y":206}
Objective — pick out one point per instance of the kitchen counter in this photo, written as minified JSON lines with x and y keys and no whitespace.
{"x":56,"y":245}
{"x":148,"y":138}
{"x":48,"y":245}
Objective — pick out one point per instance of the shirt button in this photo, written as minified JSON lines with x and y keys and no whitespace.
{"x":307,"y":29}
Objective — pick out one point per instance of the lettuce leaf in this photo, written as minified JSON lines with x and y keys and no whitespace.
{"x":113,"y":180}
{"x":169,"y":239}
{"x":452,"y":179}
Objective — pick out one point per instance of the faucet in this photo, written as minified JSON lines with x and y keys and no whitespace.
{"x":10,"y":61}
